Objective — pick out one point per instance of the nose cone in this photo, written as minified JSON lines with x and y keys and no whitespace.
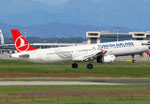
{"x":145,"y":48}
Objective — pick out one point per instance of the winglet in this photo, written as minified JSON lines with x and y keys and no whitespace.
{"x":20,"y":42}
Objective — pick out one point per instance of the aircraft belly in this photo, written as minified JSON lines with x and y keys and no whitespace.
{"x":118,"y":51}
{"x":127,"y":51}
{"x":56,"y":58}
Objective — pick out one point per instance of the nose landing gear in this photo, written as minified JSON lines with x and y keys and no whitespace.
{"x":133,"y":59}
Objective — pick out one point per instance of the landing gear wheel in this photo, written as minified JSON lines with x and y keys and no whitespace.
{"x":75,"y":66}
{"x":90,"y":66}
{"x":134,"y":61}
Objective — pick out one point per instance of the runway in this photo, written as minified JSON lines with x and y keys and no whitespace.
{"x":51,"y":83}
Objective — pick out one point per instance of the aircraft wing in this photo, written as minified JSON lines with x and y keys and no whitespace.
{"x":89,"y":57}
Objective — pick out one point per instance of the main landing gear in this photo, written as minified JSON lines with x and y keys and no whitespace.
{"x":133,"y":59}
{"x":75,"y":66}
{"x":89,"y":66}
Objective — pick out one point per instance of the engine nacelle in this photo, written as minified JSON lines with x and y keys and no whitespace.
{"x":109,"y":58}
{"x":106,"y":59}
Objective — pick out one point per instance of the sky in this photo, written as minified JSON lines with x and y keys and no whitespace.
{"x":52,"y":2}
{"x":126,"y":13}
{"x":58,"y":2}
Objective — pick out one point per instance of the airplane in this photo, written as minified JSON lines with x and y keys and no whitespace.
{"x":102,"y":53}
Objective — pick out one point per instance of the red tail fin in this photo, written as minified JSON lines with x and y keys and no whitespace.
{"x":20,"y":42}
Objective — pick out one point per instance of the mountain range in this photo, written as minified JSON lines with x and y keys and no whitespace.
{"x":58,"y":30}
{"x":75,"y":17}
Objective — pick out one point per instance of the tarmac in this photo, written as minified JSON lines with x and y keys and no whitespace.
{"x":52,"y":83}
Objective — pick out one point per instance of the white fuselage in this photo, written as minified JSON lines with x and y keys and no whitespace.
{"x":80,"y":52}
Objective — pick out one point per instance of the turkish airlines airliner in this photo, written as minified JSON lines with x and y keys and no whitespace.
{"x":103,"y":52}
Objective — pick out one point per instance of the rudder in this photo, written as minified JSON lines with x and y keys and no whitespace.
{"x":20,"y":42}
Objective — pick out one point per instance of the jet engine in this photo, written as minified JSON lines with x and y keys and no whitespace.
{"x":106,"y":59}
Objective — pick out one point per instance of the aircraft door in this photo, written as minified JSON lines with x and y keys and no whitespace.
{"x":137,"y":48}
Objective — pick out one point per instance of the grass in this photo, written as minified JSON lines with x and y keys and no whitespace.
{"x":116,"y":69}
{"x":5,"y":90}
{"x":45,"y":94}
{"x":23,"y":70}
{"x":77,"y":79}
{"x":76,"y":100}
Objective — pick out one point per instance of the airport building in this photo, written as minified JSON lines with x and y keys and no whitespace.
{"x":92,"y":38}
{"x":105,"y":36}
